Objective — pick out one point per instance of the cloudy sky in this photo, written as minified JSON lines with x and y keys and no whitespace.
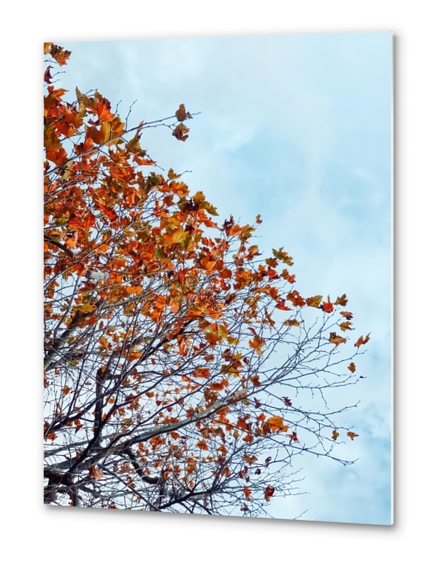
{"x":298,"y":129}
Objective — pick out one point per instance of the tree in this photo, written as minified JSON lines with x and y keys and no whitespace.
{"x":178,"y":361}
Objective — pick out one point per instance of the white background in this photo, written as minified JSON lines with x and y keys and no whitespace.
{"x":29,"y":528}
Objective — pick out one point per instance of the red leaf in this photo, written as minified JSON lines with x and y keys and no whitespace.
{"x":202,"y":445}
{"x":327,"y":306}
{"x":269,"y":492}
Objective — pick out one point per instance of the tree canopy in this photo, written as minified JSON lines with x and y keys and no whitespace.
{"x":182,"y":369}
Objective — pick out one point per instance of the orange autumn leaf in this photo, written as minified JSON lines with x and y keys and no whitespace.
{"x":352,"y":435}
{"x":180,"y":132}
{"x":333,"y":338}
{"x":202,"y":445}
{"x":94,"y":473}
{"x":103,"y":248}
{"x":255,"y":379}
{"x":181,"y":113}
{"x":58,"y":53}
{"x":291,"y":323}
{"x":257,"y":343}
{"x":289,"y":278}
{"x":134,"y":290}
{"x":133,"y":356}
{"x":217,"y":386}
{"x":342,"y":301}
{"x":222,"y":450}
{"x":296,"y":298}
{"x":249,"y":459}
{"x":335,"y":435}
{"x":362,"y":340}
{"x":345,"y":326}
{"x":327,"y":306}
{"x":269,"y":491}
{"x":276,"y":423}
{"x":201,"y":373}
{"x":352,"y":367}
{"x":347,"y":315}
{"x":103,"y":110}
{"x":58,"y":157}
{"x":247,"y":493}
{"x":101,"y":135}
{"x":294,"y":437}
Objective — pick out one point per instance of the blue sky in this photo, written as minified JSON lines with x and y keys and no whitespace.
{"x":298,"y":129}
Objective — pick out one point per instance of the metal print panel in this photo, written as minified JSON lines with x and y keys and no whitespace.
{"x":218,"y":276}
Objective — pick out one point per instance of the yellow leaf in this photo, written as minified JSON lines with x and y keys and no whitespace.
{"x":105,"y":130}
{"x":333,"y":338}
{"x":199,"y":197}
{"x":172,"y":176}
{"x":86,"y":307}
{"x":51,"y":140}
{"x":179,"y":235}
{"x":314,"y":301}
